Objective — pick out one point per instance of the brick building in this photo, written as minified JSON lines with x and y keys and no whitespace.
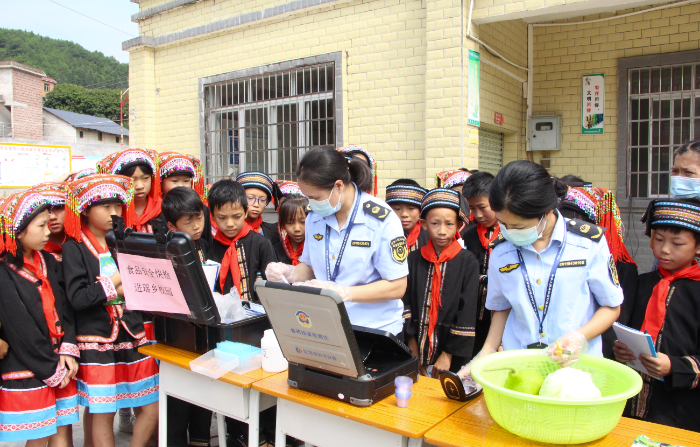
{"x":21,"y":88}
{"x":252,"y":84}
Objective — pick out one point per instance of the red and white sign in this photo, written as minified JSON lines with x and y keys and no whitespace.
{"x":498,"y":118}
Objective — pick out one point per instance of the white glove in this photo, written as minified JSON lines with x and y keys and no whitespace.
{"x":568,"y":348}
{"x":280,"y":272}
{"x":466,"y":372}
{"x":343,"y":291}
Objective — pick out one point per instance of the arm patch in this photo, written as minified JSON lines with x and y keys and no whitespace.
{"x":375,"y":210}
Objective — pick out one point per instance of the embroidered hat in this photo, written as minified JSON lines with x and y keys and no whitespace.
{"x":18,"y":210}
{"x":175,"y":163}
{"x":442,"y":198}
{"x":261,"y":181}
{"x":451,"y":178}
{"x":669,"y":212}
{"x":205,"y":194}
{"x":119,"y":161}
{"x":412,"y":195}
{"x":53,"y":192}
{"x":81,"y":174}
{"x":353,"y":150}
{"x":288,"y":187}
{"x":94,"y":189}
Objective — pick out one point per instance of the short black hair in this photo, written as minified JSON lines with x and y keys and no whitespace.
{"x":181,"y":201}
{"x":227,"y":191}
{"x":477,"y":185}
{"x":525,"y":189}
{"x":291,"y":206}
{"x":676,"y":230}
{"x":129,"y":169}
{"x":321,"y":167}
{"x":405,"y":182}
{"x":571,"y":178}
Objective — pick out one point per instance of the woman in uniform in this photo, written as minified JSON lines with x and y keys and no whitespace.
{"x":552,"y":282}
{"x":355,"y":244}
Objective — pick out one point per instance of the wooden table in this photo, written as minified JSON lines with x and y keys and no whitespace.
{"x":240,"y":401}
{"x":473,"y":426}
{"x":331,"y":423}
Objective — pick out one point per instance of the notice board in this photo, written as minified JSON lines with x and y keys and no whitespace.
{"x":25,"y":165}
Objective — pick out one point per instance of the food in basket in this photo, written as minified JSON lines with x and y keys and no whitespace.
{"x":569,"y":383}
{"x":526,"y":381}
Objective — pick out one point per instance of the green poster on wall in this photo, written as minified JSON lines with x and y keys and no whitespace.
{"x":473,"y":70}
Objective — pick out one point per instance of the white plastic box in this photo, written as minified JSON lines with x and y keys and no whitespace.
{"x":214,"y":363}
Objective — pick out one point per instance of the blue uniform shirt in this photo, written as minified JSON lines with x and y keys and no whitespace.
{"x":373,"y":252}
{"x":585,"y":280}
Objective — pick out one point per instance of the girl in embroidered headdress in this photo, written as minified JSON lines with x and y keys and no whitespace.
{"x":38,"y":397}
{"x":55,"y":194}
{"x":113,"y":374}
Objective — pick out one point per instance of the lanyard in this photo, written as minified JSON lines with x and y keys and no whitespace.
{"x":331,"y":277}
{"x":550,"y":285}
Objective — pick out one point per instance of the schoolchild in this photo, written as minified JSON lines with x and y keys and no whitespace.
{"x":113,"y":374}
{"x":667,"y":306}
{"x":552,"y":282}
{"x":454,"y":179}
{"x":404,"y":196}
{"x":260,"y":190}
{"x":55,"y":194}
{"x":477,"y":239}
{"x":142,"y":166}
{"x":292,"y":219}
{"x":363,"y":154}
{"x":38,"y":397}
{"x":442,"y":288}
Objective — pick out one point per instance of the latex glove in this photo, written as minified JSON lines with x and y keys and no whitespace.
{"x":343,"y":291}
{"x":568,"y":348}
{"x":280,"y":272}
{"x":466,"y":372}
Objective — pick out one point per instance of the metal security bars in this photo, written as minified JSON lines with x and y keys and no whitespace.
{"x":267,"y":122}
{"x":664,"y":112}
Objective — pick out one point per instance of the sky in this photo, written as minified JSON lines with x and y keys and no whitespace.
{"x":47,"y":18}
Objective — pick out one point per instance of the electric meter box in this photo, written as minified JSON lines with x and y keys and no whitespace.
{"x":545,"y":133}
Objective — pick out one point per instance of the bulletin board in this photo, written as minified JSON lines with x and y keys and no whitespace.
{"x":25,"y":165}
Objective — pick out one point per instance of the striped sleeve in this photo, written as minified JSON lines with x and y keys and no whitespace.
{"x":685,"y":372}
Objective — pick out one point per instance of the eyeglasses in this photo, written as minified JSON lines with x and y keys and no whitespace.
{"x":252,"y":201}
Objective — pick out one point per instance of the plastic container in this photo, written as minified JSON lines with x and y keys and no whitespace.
{"x":249,"y":357}
{"x":552,"y":420}
{"x":403,"y":390}
{"x":272,"y":358}
{"x":214,"y":364}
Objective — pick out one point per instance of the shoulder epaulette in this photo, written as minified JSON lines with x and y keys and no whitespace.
{"x":376,"y":210}
{"x":585,"y":229}
{"x":497,"y":241}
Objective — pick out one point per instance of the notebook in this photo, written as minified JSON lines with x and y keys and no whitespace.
{"x":637,"y":342}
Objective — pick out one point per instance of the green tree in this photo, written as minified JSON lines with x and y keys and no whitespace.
{"x":97,"y":102}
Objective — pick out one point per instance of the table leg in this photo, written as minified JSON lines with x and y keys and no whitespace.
{"x":221,"y":428}
{"x":162,"y":417}
{"x":254,"y":418}
{"x":415,"y":442}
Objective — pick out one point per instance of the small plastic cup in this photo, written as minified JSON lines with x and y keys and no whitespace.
{"x":403,"y":382}
{"x":403,"y":390}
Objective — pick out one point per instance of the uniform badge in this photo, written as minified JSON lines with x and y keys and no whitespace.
{"x":399,"y":251}
{"x":575,"y":263}
{"x":509,"y":268}
{"x":613,"y":271}
{"x":366,"y":244}
{"x":375,"y":210}
{"x":318,"y":237}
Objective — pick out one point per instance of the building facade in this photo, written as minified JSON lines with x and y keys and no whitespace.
{"x":21,"y":89}
{"x":253,"y":84}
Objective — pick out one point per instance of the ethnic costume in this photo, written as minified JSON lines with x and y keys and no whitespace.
{"x":598,"y":206}
{"x":441,"y":296}
{"x":667,"y":307}
{"x":288,"y":187}
{"x":411,"y":195}
{"x":478,"y":239}
{"x":356,"y":150}
{"x":55,"y":195}
{"x":38,"y":324}
{"x":205,"y":201}
{"x":263,"y":182}
{"x":113,"y":374}
{"x":81,"y":174}
{"x":451,"y":178}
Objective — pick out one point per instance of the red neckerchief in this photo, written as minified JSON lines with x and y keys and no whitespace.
{"x":48,"y":303}
{"x":93,"y":242}
{"x":151,"y":211}
{"x":656,"y":308}
{"x":428,"y":253}
{"x":255,"y":225}
{"x":482,"y":230}
{"x":293,"y":254}
{"x":53,"y":248}
{"x":230,"y":259}
{"x":412,"y":237}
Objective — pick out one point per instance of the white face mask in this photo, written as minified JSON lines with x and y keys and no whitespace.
{"x":323,"y":207}
{"x":685,"y":187}
{"x":524,"y":236}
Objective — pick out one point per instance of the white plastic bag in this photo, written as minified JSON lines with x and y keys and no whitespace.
{"x":230,"y":306}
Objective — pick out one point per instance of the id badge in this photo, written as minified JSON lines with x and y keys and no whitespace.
{"x":538,"y":345}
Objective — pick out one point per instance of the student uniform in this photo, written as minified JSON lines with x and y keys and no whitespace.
{"x":676,"y":400}
{"x":32,"y":405}
{"x":456,"y":320}
{"x":586,"y":279}
{"x":423,"y":238}
{"x":375,"y":250}
{"x":269,"y":231}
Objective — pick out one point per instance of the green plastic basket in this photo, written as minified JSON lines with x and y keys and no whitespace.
{"x":551,"y":420}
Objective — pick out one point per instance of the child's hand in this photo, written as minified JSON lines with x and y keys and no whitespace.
{"x":422,"y":371}
{"x":116,"y":279}
{"x":70,"y":364}
{"x":659,"y":367}
{"x":442,"y":364}
{"x":120,"y":290}
{"x":622,"y":354}
{"x":3,"y":348}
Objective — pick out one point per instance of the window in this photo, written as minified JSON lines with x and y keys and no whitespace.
{"x":81,"y":134}
{"x":664,"y":112}
{"x":99,"y":136}
{"x":116,"y":139}
{"x":267,"y":122}
{"x":47,"y":88}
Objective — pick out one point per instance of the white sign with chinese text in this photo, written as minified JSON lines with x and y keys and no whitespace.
{"x":593,"y":104}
